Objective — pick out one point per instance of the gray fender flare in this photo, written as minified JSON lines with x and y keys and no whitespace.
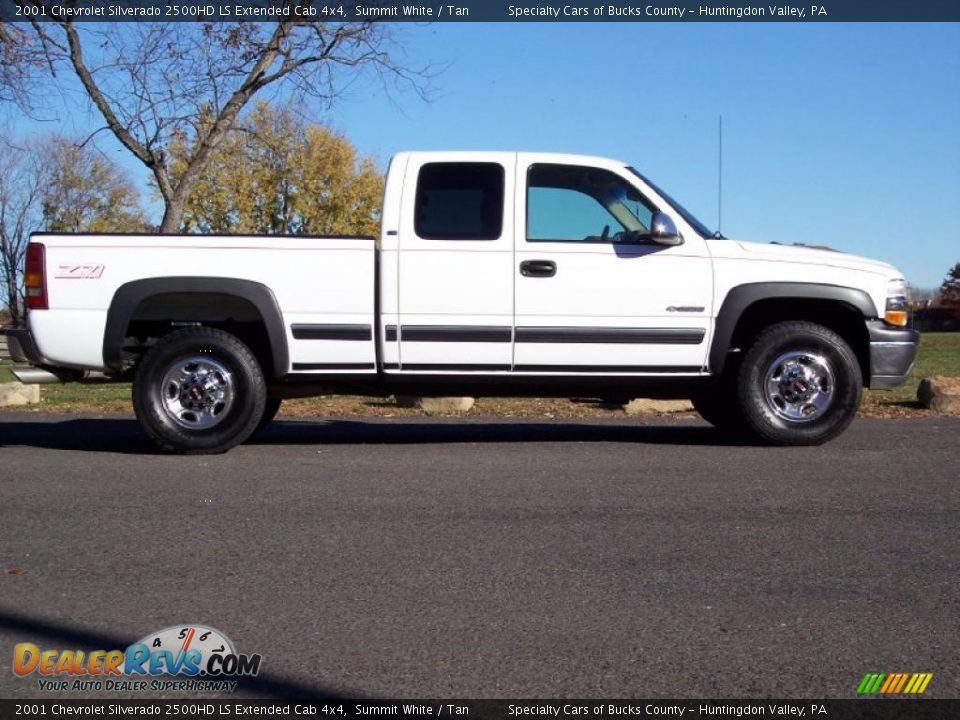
{"x":131,"y":294}
{"x":743,"y":296}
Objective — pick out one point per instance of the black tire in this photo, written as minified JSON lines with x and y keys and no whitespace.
{"x":718,"y":406}
{"x":270,"y":409}
{"x":799,"y":384}
{"x":199,"y":391}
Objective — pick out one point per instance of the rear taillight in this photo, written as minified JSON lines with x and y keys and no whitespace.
{"x":35,"y":278}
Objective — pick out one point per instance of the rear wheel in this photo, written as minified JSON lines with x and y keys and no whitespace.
{"x":270,"y":409}
{"x":199,"y":390}
{"x":799,"y":384}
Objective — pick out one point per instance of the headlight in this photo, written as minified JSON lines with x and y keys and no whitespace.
{"x":897,"y":311}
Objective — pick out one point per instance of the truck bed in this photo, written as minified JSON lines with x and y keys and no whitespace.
{"x":324,"y":287}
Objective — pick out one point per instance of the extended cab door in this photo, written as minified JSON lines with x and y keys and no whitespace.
{"x":455,"y":264}
{"x":592,"y":295}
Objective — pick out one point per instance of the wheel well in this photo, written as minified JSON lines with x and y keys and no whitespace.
{"x":159,"y":315}
{"x":844,"y":319}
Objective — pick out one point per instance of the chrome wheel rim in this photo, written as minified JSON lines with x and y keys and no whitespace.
{"x":197,"y":392}
{"x":799,"y":386}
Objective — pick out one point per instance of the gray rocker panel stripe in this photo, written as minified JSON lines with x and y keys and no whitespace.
{"x":333,"y":366}
{"x":614,"y":335}
{"x":611,"y":335}
{"x":451,"y":333}
{"x":331,"y":331}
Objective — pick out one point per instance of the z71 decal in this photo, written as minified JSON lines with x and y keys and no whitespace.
{"x":79,"y":272}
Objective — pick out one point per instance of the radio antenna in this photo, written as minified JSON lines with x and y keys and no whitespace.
{"x":720,"y":174}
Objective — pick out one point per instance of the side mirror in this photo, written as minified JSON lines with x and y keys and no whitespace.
{"x":663,"y":230}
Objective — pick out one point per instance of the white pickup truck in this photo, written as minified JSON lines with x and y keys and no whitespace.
{"x":495,"y":273}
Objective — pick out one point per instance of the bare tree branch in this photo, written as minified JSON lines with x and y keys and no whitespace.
{"x":155,"y":84}
{"x":98,"y":99}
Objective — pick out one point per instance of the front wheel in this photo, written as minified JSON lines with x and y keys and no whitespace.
{"x":799,"y":384}
{"x":718,"y":406}
{"x":199,"y":391}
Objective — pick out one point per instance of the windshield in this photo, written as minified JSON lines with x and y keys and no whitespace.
{"x":684,"y":213}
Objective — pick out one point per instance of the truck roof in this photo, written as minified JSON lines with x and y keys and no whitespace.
{"x":492,"y":155}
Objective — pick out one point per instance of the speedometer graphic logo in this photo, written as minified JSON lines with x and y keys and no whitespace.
{"x":200,"y":640}
{"x":189,"y":649}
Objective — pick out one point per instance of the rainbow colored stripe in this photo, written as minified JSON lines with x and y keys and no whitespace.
{"x":894,"y":683}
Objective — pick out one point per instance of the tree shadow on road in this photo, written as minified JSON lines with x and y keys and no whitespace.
{"x":123,"y":435}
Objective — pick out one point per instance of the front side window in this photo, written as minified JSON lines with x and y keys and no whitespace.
{"x":459,"y":201}
{"x":570,"y":203}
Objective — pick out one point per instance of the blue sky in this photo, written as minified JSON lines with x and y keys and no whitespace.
{"x":839,"y":134}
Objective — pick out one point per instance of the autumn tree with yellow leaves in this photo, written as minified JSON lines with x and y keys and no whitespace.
{"x":278,"y":175}
{"x":83,"y":191}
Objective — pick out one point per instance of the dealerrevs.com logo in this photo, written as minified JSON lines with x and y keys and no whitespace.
{"x":191,"y":658}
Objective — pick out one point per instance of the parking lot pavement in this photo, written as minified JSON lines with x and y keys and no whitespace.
{"x":479,"y":558}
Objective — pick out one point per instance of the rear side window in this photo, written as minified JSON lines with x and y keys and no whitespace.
{"x":459,"y":201}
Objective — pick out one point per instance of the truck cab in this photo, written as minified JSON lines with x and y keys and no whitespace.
{"x":532,"y":264}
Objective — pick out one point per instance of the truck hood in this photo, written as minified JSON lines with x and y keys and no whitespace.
{"x":816,"y":256}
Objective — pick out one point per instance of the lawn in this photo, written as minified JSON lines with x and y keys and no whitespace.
{"x":939,"y":355}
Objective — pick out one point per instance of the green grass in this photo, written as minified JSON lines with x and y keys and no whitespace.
{"x":939,"y":355}
{"x":76,"y":397}
{"x":101,"y":396}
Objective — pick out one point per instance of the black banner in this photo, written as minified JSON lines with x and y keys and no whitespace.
{"x":479,"y":11}
{"x":863,"y":709}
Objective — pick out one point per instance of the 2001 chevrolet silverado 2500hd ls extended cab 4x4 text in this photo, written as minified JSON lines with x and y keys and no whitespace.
{"x":495,"y":273}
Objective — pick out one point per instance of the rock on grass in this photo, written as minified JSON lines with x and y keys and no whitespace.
{"x":941,"y":394}
{"x":15,"y":393}
{"x":437,"y":405}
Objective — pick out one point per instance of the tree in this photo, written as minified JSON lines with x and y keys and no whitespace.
{"x":20,"y":184}
{"x":17,"y":60}
{"x":950,"y":290}
{"x":276,"y":174}
{"x":153,"y":82}
{"x":85,"y":192}
{"x":59,"y":186}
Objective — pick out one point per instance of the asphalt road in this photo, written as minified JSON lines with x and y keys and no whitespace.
{"x":471,"y":559}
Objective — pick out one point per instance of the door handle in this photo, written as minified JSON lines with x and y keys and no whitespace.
{"x":538,"y":268}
